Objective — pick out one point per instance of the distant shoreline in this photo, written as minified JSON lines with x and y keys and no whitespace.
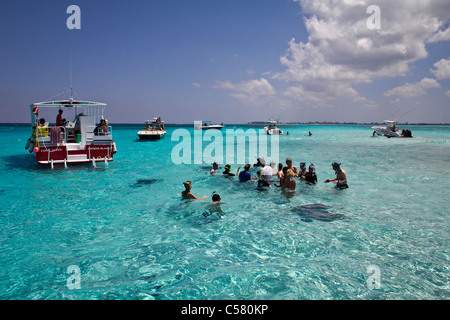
{"x":259,"y":124}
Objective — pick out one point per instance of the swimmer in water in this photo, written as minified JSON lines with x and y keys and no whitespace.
{"x":215,"y":168}
{"x":187,"y":194}
{"x":301,"y":174}
{"x":341,"y":176}
{"x":215,"y":207}
{"x":227,"y":171}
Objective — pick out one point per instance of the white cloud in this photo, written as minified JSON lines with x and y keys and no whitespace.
{"x":248,"y":91}
{"x":442,"y":70}
{"x":196,"y":85}
{"x":413,"y":90}
{"x":447,"y":93}
{"x":341,"y":51}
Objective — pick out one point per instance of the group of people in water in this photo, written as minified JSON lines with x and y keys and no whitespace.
{"x":265,"y":176}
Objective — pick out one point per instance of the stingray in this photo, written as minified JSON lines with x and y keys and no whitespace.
{"x":316,"y":211}
{"x":143,"y":182}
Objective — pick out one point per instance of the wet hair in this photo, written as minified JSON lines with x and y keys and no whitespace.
{"x":187,"y":184}
{"x":290,"y":173}
{"x":215,"y":197}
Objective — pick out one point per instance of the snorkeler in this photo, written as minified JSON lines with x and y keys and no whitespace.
{"x":301,"y":174}
{"x":227,"y":171}
{"x":214,"y":169}
{"x":310,"y":176}
{"x":187,"y":194}
{"x":341,"y":176}
{"x":215,"y":207}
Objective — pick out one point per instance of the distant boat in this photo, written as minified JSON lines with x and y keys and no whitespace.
{"x":205,"y":125}
{"x":154,"y":130}
{"x":390,"y":130}
{"x":272,"y":129}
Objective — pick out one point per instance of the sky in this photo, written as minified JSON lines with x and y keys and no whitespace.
{"x":230,"y":61}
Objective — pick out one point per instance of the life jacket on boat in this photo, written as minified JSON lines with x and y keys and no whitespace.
{"x":42,"y":132}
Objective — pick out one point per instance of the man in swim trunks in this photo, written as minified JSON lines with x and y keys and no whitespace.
{"x":341,"y":176}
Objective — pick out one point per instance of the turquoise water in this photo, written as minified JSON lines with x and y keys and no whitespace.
{"x":134,"y":238}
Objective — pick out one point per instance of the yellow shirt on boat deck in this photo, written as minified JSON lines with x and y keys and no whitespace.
{"x":42,"y":132}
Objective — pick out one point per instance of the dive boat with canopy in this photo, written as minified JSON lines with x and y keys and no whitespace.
{"x":88,"y":138}
{"x":390,"y":131}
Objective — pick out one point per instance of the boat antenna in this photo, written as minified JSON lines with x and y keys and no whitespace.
{"x":70,"y":64}
{"x":404,"y":114}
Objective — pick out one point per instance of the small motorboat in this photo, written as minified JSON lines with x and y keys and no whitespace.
{"x":272,"y":129}
{"x":390,"y":131}
{"x":206,"y":125}
{"x":154,"y":130}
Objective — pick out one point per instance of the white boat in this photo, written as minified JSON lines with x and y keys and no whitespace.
{"x":88,"y":138}
{"x":206,"y":125}
{"x":272,"y":129}
{"x":154,"y":130}
{"x":390,"y":130}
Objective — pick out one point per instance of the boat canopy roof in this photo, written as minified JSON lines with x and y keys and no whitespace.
{"x":390,"y":121}
{"x":154,"y":120}
{"x":68,"y":104}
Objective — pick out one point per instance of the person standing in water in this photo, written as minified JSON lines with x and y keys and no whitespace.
{"x":341,"y":176}
{"x":187,"y":194}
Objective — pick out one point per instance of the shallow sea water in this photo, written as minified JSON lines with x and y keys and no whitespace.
{"x":132,"y":237}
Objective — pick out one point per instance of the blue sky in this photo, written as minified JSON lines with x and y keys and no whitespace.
{"x":231,"y":61}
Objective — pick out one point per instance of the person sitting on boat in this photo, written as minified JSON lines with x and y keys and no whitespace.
{"x":341,"y":176}
{"x":42,"y":129}
{"x":310,"y":176}
{"x":161,"y":124}
{"x":187,"y":194}
{"x":101,"y":129}
{"x":301,"y":174}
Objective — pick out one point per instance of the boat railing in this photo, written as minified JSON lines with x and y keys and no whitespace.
{"x":54,"y":135}
{"x":91,"y":135}
{"x":51,"y":135}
